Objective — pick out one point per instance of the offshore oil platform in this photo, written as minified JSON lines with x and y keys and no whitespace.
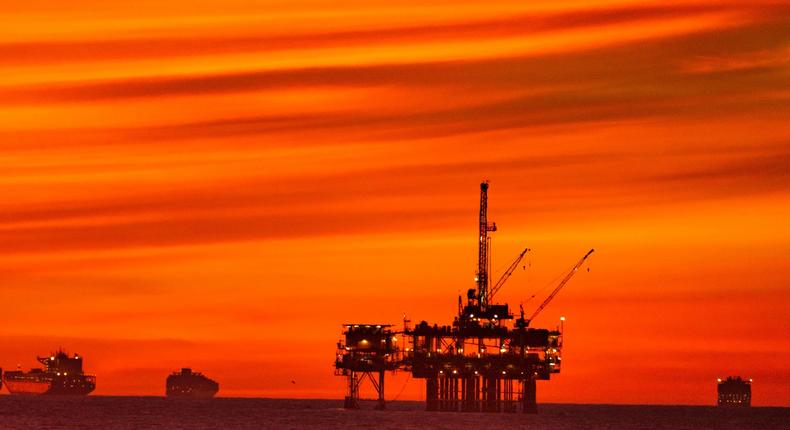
{"x":485,"y":361}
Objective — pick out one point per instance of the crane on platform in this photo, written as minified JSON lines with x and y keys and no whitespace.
{"x":525,"y":322}
{"x":506,"y":275}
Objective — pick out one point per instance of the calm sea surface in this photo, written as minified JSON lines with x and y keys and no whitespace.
{"x":222,"y":413}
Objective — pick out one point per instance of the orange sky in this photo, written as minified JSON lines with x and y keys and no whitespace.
{"x":187,"y":184}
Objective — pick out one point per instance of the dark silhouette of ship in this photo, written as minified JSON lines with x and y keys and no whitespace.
{"x":735,"y":391}
{"x":62,"y":375}
{"x":190,"y":384}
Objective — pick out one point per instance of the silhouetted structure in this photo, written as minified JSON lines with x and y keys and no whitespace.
{"x":62,"y":375}
{"x":190,"y":384}
{"x":481,"y":362}
{"x":367,"y":352}
{"x":735,"y":391}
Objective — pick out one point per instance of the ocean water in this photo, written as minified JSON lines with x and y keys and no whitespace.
{"x":96,"y":412}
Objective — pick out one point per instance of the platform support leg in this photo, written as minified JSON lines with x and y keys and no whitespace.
{"x":352,"y":397}
{"x":468,"y":394}
{"x":381,"y":405}
{"x":490,"y":394}
{"x":529,"y":397}
{"x":455,"y":394}
{"x":431,"y":394}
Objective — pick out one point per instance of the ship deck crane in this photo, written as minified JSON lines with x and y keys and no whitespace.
{"x":525,"y":322}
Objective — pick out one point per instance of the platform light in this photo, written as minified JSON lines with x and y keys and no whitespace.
{"x":718,"y":379}
{"x":52,"y":358}
{"x":562,"y":318}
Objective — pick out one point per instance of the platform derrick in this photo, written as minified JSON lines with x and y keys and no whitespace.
{"x":485,"y":361}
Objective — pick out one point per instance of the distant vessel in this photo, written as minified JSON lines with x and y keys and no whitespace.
{"x":190,"y":384}
{"x":62,"y":376}
{"x":735,"y":391}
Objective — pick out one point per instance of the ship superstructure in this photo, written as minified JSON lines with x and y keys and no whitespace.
{"x":61,"y":375}
{"x":486,"y":360}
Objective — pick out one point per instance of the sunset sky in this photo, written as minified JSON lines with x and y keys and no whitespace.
{"x":221,"y":185}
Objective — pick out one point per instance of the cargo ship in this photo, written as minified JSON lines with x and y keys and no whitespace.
{"x":62,"y":375}
{"x":190,"y":384}
{"x":735,"y":391}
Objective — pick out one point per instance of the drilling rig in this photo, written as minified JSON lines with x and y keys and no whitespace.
{"x":482,"y":362}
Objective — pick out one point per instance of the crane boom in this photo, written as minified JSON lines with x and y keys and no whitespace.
{"x":506,"y":275}
{"x":561,"y":284}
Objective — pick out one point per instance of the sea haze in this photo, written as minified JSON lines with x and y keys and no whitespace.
{"x":98,"y":412}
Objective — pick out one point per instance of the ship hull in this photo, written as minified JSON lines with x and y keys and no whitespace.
{"x":195,"y":394}
{"x":25,"y":384}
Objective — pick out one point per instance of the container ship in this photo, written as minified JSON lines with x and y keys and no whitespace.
{"x":190,"y":384}
{"x":62,"y":375}
{"x":735,"y":391}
